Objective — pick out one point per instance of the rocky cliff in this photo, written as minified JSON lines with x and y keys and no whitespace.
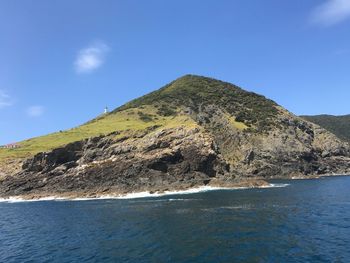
{"x":195,"y":131}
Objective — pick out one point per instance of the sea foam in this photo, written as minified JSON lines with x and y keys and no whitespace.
{"x":137,"y":195}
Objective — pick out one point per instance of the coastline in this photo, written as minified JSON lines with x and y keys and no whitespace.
{"x":214,"y":185}
{"x":311,"y":177}
{"x":136,"y":195}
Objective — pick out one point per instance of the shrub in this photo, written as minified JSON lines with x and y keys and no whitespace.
{"x":144,"y":117}
{"x":165,"y":110}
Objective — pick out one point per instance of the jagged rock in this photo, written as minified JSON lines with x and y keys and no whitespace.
{"x":233,"y":138}
{"x":249,"y":157}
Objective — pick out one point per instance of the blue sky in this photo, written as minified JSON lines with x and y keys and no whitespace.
{"x":63,"y":61}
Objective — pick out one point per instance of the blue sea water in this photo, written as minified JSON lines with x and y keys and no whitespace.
{"x":306,"y":221}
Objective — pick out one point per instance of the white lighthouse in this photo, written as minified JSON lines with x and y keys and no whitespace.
{"x":106,"y":110}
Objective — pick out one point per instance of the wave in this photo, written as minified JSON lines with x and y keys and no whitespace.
{"x":276,"y":186}
{"x":137,"y":194}
{"x":19,"y":199}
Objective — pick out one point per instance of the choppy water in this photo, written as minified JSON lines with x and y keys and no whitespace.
{"x":307,"y":221}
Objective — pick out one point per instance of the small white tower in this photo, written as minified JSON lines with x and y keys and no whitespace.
{"x":106,"y":110}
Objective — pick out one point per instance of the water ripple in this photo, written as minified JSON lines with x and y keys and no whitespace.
{"x":308,"y":221}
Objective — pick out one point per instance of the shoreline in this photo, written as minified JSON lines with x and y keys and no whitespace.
{"x":215,"y":185}
{"x":311,"y":177}
{"x":137,"y":195}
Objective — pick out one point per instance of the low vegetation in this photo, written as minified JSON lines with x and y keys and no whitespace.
{"x":194,"y":92}
{"x":123,"y":121}
{"x":339,"y":125}
{"x":169,"y":106}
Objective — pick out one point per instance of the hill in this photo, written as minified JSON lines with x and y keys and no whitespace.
{"x":194,"y":131}
{"x":339,"y":125}
{"x":161,"y":108}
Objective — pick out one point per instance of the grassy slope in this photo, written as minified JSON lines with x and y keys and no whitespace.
{"x":122,"y":121}
{"x":163,"y":107}
{"x":339,"y":125}
{"x":193,"y":91}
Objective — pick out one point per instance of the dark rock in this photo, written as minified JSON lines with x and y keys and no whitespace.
{"x":179,"y":158}
{"x":249,"y":157}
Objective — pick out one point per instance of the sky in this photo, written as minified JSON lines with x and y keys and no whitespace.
{"x":62,"y":62}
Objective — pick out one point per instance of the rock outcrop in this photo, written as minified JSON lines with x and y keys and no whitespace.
{"x":224,"y":146}
{"x":166,"y":159}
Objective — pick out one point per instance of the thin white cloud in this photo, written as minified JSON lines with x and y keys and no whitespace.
{"x":91,"y":57}
{"x":331,"y":12}
{"x":35,"y":111}
{"x":5,"y":99}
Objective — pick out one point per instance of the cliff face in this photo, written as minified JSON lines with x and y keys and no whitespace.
{"x":201,"y":132}
{"x":174,"y":158}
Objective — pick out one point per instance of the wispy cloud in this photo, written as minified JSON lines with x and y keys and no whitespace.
{"x":5,"y":99}
{"x":331,"y":12}
{"x":35,"y":111}
{"x":91,"y":57}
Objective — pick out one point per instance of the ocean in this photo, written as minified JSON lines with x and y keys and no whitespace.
{"x":295,"y":221}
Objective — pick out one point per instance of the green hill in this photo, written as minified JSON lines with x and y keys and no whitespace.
{"x":192,"y":132}
{"x":339,"y":125}
{"x":165,"y":107}
{"x":195,"y":92}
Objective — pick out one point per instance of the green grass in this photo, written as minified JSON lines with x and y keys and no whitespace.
{"x":238,"y":125}
{"x":122,"y":121}
{"x":195,"y":91}
{"x":163,"y":108}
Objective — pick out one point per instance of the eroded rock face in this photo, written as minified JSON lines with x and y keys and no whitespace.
{"x":292,"y":148}
{"x":215,"y":152}
{"x":228,"y":135}
{"x":166,"y":159}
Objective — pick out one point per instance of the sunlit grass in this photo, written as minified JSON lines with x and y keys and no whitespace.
{"x":121,"y":121}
